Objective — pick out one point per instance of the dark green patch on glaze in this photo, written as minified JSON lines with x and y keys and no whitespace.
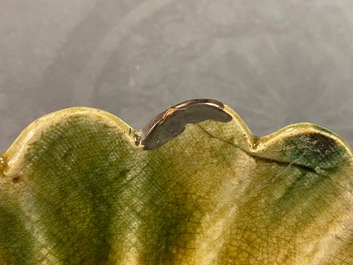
{"x":314,"y":150}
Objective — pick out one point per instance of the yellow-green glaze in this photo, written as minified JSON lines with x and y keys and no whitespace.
{"x":75,"y":189}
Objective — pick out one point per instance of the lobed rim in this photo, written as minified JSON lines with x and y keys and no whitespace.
{"x":11,"y":159}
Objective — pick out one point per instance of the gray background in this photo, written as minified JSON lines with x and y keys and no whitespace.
{"x":274,"y":62}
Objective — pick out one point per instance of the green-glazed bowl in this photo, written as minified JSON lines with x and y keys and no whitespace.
{"x":195,"y":186}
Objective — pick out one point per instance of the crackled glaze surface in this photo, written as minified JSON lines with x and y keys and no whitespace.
{"x":75,"y":189}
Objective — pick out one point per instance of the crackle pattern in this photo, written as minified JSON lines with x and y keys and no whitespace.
{"x":75,"y":189}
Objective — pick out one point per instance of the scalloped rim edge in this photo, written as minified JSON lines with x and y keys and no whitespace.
{"x":12,"y":158}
